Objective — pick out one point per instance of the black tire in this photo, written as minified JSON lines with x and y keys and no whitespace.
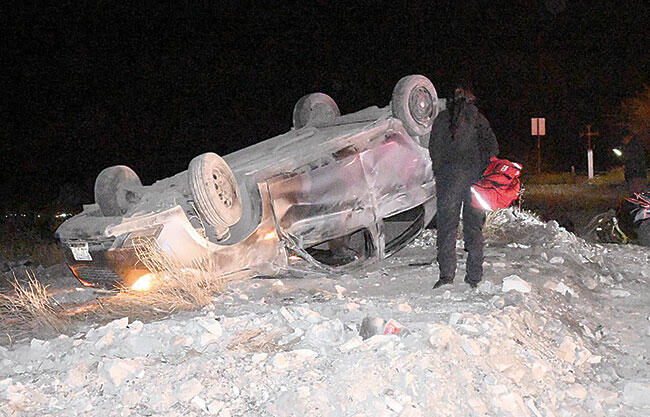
{"x":643,"y":233}
{"x":415,"y":103}
{"x":316,"y":109}
{"x":215,"y":191}
{"x":117,"y":189}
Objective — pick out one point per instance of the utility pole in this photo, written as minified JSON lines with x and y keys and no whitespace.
{"x":590,"y":152}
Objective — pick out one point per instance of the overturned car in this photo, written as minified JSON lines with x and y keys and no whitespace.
{"x":318,"y":198}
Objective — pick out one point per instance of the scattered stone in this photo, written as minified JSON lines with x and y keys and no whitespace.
{"x":603,"y":395}
{"x":118,"y":370}
{"x":577,"y":391}
{"x":637,"y":394}
{"x":340,"y":291}
{"x":556,"y":260}
{"x":514,"y":283}
{"x":567,"y":350}
{"x":405,"y":308}
{"x":188,"y":390}
{"x":259,"y":357}
{"x":619,"y":293}
{"x":393,"y":405}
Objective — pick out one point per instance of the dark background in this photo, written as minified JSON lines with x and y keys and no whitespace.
{"x":86,"y":85}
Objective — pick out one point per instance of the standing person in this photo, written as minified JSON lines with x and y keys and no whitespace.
{"x":461,"y":145}
{"x":636,"y":175}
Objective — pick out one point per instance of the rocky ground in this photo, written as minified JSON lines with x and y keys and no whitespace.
{"x":558,"y":327}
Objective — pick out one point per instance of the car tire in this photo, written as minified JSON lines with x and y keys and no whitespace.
{"x":117,"y":189}
{"x":316,"y":109}
{"x":215,"y":192}
{"x":643,"y":233}
{"x":415,"y":103}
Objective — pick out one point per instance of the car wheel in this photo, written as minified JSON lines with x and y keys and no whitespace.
{"x":314,"y":109}
{"x":215,"y":192}
{"x":415,"y":103}
{"x":117,"y":189}
{"x":643,"y":233}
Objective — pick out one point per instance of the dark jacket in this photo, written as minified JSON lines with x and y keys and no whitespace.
{"x":470,"y":148}
{"x":634,"y":156}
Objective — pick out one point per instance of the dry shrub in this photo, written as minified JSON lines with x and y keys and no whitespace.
{"x":175,"y":286}
{"x":29,"y":307}
{"x":255,"y":340}
{"x":497,"y":228}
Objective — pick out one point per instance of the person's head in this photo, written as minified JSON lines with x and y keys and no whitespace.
{"x":464,"y":91}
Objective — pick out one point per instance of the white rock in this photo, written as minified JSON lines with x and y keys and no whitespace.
{"x":212,"y":326}
{"x":188,"y":390}
{"x":287,"y":315}
{"x":556,"y":260}
{"x":513,"y":282}
{"x":328,"y":333}
{"x":105,"y":341}
{"x":619,"y":293}
{"x":352,"y":307}
{"x":215,"y":406}
{"x":208,"y":338}
{"x":577,"y":391}
{"x":136,"y":326}
{"x":118,"y":370}
{"x":637,"y":394}
{"x":259,"y":357}
{"x":533,"y":270}
{"x":281,"y":360}
{"x":594,"y":359}
{"x":392,"y":404}
{"x":119,"y":323}
{"x":603,"y":395}
{"x":405,"y":308}
{"x":446,"y":295}
{"x":567,"y":350}
{"x":304,"y":354}
{"x":353,"y":343}
{"x":470,"y":347}
{"x":340,"y":291}
{"x":303,"y":392}
{"x":199,"y":403}
{"x":454,"y":318}
{"x":278,"y":283}
{"x":307,"y":314}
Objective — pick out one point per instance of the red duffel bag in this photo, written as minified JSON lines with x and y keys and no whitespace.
{"x":499,"y":185}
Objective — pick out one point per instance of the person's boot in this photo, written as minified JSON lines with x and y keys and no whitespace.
{"x":443,"y":281}
{"x":472,"y":284}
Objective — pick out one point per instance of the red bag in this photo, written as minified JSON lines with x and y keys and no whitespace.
{"x":499,"y":185}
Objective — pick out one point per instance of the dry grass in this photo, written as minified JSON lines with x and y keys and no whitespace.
{"x":494,"y":230}
{"x":255,"y":340}
{"x":175,"y":286}
{"x":29,"y":308}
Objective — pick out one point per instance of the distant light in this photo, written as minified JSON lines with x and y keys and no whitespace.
{"x":62,"y":215}
{"x":617,"y":152}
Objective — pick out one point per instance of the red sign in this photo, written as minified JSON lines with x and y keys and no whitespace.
{"x":538,"y":126}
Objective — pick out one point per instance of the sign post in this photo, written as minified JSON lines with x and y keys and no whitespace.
{"x":538,"y":128}
{"x":590,"y":152}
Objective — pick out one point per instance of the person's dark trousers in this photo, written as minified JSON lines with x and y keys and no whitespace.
{"x":452,"y":194}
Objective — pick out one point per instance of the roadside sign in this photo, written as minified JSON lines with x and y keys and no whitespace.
{"x":538,"y":126}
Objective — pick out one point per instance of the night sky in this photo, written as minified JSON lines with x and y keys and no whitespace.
{"x":86,"y":85}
